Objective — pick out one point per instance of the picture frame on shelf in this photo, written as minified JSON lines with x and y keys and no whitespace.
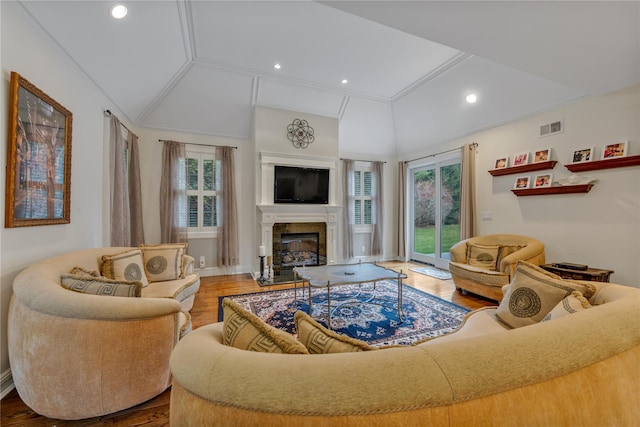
{"x":582,"y":154}
{"x":520,"y":159}
{"x":615,"y":150}
{"x":543,"y":180}
{"x":542,"y":155}
{"x":501,"y":163}
{"x":522,"y":182}
{"x":38,"y":182}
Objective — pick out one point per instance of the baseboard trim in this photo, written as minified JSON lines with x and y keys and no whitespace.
{"x":6,"y":383}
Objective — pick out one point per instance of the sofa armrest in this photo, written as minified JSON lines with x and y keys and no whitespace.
{"x":188,"y":265}
{"x":533,"y":253}
{"x":458,"y":252}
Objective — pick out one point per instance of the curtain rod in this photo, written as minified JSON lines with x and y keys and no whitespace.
{"x":359,"y":160}
{"x":195,"y":143}
{"x":109,"y":113}
{"x":473,"y":144}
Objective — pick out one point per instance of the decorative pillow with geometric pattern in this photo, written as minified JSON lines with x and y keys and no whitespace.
{"x":320,"y":340}
{"x":126,"y":266}
{"x":570,"y":304}
{"x":530,"y":296}
{"x":163,"y":262}
{"x":100,"y":286}
{"x":246,"y":331}
{"x":483,"y":256}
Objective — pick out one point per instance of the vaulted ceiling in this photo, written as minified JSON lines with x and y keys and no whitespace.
{"x":202,"y":66}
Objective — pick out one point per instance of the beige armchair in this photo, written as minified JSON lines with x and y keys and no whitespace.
{"x":484,"y":264}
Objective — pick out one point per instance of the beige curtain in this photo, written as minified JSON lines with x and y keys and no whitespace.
{"x":173,"y":194}
{"x":228,"y":219}
{"x":402,"y":209}
{"x":135,"y":193}
{"x":348,"y":214}
{"x":468,"y":192}
{"x":377,"y":171}
{"x":125,"y":191}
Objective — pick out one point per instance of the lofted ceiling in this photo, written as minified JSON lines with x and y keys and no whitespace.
{"x":202,"y":66}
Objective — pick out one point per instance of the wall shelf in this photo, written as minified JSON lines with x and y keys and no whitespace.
{"x":549,"y":164}
{"x":604,"y":164}
{"x":558,"y":189}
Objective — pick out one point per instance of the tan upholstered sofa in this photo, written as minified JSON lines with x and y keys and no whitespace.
{"x":484,"y":264}
{"x":580,"y":369}
{"x":76,"y":355}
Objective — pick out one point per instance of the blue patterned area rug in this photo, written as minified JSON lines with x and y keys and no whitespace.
{"x":375,"y":321}
{"x":432,"y":272}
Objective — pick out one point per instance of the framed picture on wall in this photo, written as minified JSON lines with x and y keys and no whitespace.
{"x":543,"y":180}
{"x":542,"y":155}
{"x":501,"y":163}
{"x":611,"y":151}
{"x":522,"y":182}
{"x":582,"y":154}
{"x":520,"y":159}
{"x":38,"y":186}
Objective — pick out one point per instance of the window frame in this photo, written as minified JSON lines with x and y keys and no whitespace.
{"x":202,"y":153}
{"x":363,"y":168}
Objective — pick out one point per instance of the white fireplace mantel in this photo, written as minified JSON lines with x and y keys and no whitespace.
{"x":268,"y":215}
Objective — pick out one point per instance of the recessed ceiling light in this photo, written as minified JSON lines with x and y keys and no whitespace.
{"x":277,"y":66}
{"x":344,"y":81}
{"x":471,"y":98}
{"x":119,"y":11}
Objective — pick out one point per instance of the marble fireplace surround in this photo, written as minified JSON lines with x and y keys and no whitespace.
{"x":269,"y":213}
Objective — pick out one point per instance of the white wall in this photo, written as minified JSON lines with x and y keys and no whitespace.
{"x":28,"y":51}
{"x":600,"y":228}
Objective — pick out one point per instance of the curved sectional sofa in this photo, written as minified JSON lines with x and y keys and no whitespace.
{"x":75,"y":355}
{"x":580,"y":369}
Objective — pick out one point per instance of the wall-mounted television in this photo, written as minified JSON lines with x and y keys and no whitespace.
{"x":301,"y":185}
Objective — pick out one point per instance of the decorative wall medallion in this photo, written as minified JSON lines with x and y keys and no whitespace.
{"x":300,"y":133}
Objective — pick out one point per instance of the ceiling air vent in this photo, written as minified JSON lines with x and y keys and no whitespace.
{"x":551,"y":128}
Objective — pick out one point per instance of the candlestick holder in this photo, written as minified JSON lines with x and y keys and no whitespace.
{"x":262,"y":280}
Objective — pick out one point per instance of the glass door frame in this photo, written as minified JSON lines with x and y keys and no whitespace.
{"x":435,"y":164}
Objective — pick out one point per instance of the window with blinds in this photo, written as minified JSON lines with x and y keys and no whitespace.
{"x":362,"y":196}
{"x":203,"y":184}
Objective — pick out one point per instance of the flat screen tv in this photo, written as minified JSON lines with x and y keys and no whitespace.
{"x":301,"y":185}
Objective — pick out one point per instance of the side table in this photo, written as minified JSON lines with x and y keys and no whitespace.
{"x":591,"y":274}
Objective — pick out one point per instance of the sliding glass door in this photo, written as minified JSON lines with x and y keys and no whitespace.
{"x":435,"y":211}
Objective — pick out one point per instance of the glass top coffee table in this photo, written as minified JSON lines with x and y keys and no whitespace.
{"x":328,"y":276}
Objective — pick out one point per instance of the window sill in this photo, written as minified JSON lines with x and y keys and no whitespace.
{"x":202,"y":235}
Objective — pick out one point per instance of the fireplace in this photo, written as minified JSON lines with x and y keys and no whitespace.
{"x":298,"y":244}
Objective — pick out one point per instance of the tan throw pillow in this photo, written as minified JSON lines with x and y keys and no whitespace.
{"x":246,"y":331}
{"x":569,"y":305}
{"x":79,"y":271}
{"x":125,"y":266}
{"x":530,"y":296}
{"x":320,"y":340}
{"x":163,"y":262}
{"x":100,"y":286}
{"x":483,"y":256}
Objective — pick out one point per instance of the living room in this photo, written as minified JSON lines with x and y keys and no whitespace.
{"x":600,"y":228}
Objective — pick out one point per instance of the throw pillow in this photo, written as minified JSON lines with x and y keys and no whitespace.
{"x":246,"y":331}
{"x":125,"y":266}
{"x":79,"y":271}
{"x":163,"y":262}
{"x":100,"y":286}
{"x":570,"y":304}
{"x":483,"y":256}
{"x":320,"y":340}
{"x":531,"y":295}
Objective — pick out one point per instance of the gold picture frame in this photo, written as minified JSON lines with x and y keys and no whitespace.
{"x":38,"y":184}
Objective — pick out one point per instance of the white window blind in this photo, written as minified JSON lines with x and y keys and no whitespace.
{"x":203,"y":173}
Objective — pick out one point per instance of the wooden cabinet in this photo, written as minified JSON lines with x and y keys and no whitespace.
{"x":591,"y":274}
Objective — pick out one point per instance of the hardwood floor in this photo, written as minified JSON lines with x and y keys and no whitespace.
{"x":205,"y":310}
